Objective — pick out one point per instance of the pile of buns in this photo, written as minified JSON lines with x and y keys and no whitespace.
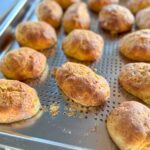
{"x":129,"y":123}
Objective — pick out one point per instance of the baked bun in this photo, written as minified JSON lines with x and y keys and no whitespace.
{"x":76,"y":17}
{"x":66,"y":3}
{"x":23,"y":63}
{"x":83,"y":45}
{"x":50,"y":12}
{"x":129,"y":126}
{"x":82,"y":85}
{"x":97,"y":5}
{"x":18,"y":101}
{"x":137,"y":5}
{"x":136,"y":45}
{"x":135,"y":78}
{"x":143,"y":18}
{"x":37,"y":35}
{"x":116,"y":18}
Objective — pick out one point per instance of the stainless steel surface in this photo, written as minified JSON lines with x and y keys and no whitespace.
{"x":17,"y":8}
{"x":6,"y":7}
{"x":86,"y":129}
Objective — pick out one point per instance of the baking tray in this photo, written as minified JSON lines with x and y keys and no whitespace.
{"x":75,"y":127}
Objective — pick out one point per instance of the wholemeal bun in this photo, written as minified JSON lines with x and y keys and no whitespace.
{"x":136,"y":45}
{"x":116,"y":18}
{"x":135,"y":78}
{"x":50,"y":12}
{"x":37,"y":35}
{"x":137,"y":5}
{"x":129,"y":126}
{"x":97,"y":5}
{"x":18,"y":101}
{"x":23,"y":63}
{"x":143,"y":18}
{"x":83,"y":45}
{"x":82,"y":85}
{"x":76,"y":17}
{"x":66,"y":3}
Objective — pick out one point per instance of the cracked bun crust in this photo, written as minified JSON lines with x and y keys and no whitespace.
{"x":66,"y":3}
{"x":136,"y":45}
{"x":116,"y":18}
{"x":18,"y":101}
{"x":50,"y":12}
{"x":37,"y":35}
{"x":135,"y":78}
{"x":76,"y":17}
{"x":97,"y":5}
{"x":82,"y":85}
{"x":83,"y":45}
{"x":129,"y":126}
{"x":143,"y":18}
{"x":137,"y":5}
{"x":23,"y":63}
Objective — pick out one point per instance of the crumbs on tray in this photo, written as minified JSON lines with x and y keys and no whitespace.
{"x":54,"y":109}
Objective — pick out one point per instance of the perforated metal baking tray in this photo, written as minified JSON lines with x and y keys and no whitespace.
{"x":74,"y":127}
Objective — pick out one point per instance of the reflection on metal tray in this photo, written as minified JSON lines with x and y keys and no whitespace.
{"x":85,"y":128}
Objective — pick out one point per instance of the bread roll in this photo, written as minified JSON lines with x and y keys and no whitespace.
{"x":143,"y":18}
{"x":83,"y":45}
{"x":50,"y":12}
{"x":136,"y":45}
{"x":23,"y":63}
{"x":18,"y":101}
{"x":137,"y":5}
{"x":76,"y":17}
{"x":135,"y":78}
{"x":37,"y":35}
{"x":82,"y":85}
{"x":116,"y":18}
{"x":129,"y":126}
{"x":97,"y":5}
{"x":66,"y":3}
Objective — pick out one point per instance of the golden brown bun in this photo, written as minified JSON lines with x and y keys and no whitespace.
{"x":129,"y":126}
{"x":76,"y":17}
{"x":143,"y":18}
{"x":50,"y":12}
{"x":97,"y":5}
{"x":23,"y":63}
{"x":136,"y":45}
{"x":83,"y":45}
{"x":116,"y":18}
{"x":18,"y":101}
{"x":135,"y":78}
{"x":66,"y":3}
{"x":82,"y":85}
{"x":37,"y":35}
{"x":137,"y":5}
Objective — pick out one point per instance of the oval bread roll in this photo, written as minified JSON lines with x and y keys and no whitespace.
{"x":143,"y":18}
{"x":83,"y":45}
{"x":50,"y":12}
{"x":135,"y":78}
{"x":97,"y":5}
{"x":116,"y":18}
{"x":129,"y":126}
{"x":82,"y":85}
{"x":76,"y":17}
{"x":37,"y":35}
{"x":18,"y":101}
{"x":23,"y":63}
{"x":137,"y":5}
{"x":136,"y":45}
